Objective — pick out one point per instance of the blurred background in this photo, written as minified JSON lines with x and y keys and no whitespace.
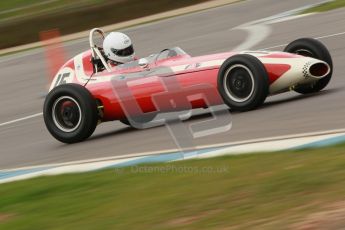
{"x":22,"y":20}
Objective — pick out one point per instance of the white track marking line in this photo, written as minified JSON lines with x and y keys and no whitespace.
{"x":331,"y":35}
{"x":318,"y":38}
{"x":256,"y":34}
{"x":21,"y":119}
{"x":259,"y":30}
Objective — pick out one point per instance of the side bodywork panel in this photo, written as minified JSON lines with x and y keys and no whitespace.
{"x":165,"y":84}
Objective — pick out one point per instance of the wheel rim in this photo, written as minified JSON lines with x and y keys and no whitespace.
{"x":66,"y":114}
{"x":239,"y":83}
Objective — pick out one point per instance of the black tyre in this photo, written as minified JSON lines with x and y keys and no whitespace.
{"x":70,"y":113}
{"x":310,"y":47}
{"x":243,"y":82}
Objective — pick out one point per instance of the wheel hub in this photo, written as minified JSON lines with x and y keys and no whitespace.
{"x":66,"y":114}
{"x":239,"y":83}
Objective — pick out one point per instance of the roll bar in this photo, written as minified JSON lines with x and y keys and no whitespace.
{"x":96,"y":53}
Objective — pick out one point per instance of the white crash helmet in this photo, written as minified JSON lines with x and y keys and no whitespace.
{"x":118,"y":47}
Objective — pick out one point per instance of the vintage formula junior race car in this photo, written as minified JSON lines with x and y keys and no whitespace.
{"x":87,"y":90}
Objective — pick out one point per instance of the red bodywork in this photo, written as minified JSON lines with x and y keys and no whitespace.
{"x":181,"y":77}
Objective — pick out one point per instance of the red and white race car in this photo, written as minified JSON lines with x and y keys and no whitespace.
{"x":87,"y":90}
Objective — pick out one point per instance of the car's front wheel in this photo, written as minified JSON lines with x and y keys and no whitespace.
{"x":70,"y":113}
{"x":310,"y":47}
{"x":243,"y":82}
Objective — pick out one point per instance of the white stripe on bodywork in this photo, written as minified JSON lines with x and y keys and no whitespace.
{"x":79,"y":68}
{"x":291,"y":77}
{"x":82,"y":77}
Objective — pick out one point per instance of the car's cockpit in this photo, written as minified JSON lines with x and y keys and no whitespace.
{"x":155,"y":58}
{"x":100,"y":63}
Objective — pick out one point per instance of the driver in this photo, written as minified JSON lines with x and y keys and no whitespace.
{"x":118,"y":48}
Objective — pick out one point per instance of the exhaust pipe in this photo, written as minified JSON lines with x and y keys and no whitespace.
{"x":316,"y":70}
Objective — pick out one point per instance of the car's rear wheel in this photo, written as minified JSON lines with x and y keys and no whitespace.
{"x":70,"y":113}
{"x":243,"y":82}
{"x":310,"y":47}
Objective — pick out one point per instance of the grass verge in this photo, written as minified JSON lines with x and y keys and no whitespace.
{"x":289,"y":190}
{"x":327,"y":6}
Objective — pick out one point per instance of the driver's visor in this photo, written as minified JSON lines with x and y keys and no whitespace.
{"x":124,"y":52}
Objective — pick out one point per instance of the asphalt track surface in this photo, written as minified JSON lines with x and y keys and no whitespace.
{"x":24,"y":79}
